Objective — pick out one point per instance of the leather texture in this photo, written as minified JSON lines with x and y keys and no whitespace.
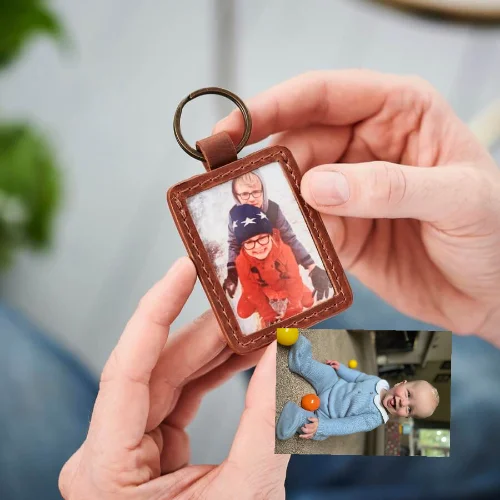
{"x":217,"y":150}
{"x":177,"y":200}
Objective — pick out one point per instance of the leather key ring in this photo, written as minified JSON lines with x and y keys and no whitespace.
{"x":263,"y":256}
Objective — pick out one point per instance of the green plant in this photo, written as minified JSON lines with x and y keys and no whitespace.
{"x":29,"y":174}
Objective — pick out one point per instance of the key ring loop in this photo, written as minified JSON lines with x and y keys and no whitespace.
{"x":194,"y":153}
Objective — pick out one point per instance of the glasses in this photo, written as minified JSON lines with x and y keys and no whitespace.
{"x":246,"y":194}
{"x":262,"y":241}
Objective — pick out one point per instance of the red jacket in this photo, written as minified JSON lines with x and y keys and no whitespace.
{"x":275,"y":277}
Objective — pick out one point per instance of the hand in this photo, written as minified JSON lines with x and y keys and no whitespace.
{"x":321,"y":283}
{"x":410,"y":198}
{"x":308,"y":430}
{"x":231,"y":282}
{"x":150,"y":390}
{"x":334,"y":364}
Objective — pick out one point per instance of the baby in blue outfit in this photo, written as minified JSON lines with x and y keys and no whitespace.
{"x":351,"y":401}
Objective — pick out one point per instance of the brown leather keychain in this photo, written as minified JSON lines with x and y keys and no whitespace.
{"x":263,"y":256}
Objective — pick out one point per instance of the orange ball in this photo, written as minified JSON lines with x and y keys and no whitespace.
{"x":310,"y":402}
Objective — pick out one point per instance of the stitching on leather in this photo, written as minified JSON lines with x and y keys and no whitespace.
{"x":182,"y":212}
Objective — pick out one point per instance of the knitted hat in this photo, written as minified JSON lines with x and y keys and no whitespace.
{"x":249,"y":221}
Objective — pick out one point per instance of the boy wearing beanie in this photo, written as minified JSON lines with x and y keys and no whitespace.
{"x":250,"y":189}
{"x":271,"y":283}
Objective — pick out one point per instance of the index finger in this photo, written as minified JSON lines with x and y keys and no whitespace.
{"x":253,"y":446}
{"x":122,"y":405}
{"x":337,"y":98}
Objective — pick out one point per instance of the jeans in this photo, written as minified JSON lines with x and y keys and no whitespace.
{"x":473,"y":469}
{"x":46,"y":402}
{"x":47,"y":398}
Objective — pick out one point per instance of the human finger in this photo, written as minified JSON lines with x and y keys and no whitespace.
{"x":320,"y":97}
{"x":308,"y":428}
{"x":253,"y":446}
{"x":124,"y":390}
{"x":315,"y":145}
{"x":306,"y":436}
{"x":387,"y":190}
{"x":190,"y":350}
{"x":176,"y":452}
{"x":68,"y":471}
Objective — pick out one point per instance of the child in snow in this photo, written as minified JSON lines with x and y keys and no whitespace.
{"x":350,"y":401}
{"x":269,"y":274}
{"x":250,"y":189}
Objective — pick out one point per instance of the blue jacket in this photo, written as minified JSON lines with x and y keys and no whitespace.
{"x":351,"y":405}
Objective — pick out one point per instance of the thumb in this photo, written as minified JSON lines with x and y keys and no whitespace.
{"x":387,"y":190}
{"x":253,"y":447}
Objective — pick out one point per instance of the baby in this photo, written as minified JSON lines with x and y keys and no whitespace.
{"x":270,"y":278}
{"x":350,"y":401}
{"x":250,"y":189}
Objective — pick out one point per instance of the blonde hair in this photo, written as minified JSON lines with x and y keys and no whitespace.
{"x":435,"y":393}
{"x":247,"y":179}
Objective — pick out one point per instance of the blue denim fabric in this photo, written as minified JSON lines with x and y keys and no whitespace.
{"x":47,"y":398}
{"x":472,"y":470}
{"x":46,"y":402}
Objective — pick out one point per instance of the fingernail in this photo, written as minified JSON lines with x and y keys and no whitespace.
{"x":328,"y":188}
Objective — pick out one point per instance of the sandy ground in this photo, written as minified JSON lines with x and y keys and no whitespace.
{"x":326,"y":344}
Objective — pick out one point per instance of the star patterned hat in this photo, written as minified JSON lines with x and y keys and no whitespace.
{"x":249,"y":221}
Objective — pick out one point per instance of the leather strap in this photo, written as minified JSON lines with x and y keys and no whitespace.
{"x":218,"y":150}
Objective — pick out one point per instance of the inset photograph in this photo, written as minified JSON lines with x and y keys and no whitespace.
{"x":357,"y":392}
{"x":260,"y":247}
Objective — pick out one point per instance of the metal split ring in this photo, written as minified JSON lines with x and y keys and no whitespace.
{"x":218,"y":91}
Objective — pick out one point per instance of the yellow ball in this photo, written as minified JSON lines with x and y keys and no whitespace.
{"x":287,"y":336}
{"x":352,"y":363}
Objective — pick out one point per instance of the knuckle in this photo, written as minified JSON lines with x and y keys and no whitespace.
{"x":421,"y":89}
{"x":388,"y":184}
{"x":413,"y":93}
{"x":419,"y":83}
{"x":154,"y":312}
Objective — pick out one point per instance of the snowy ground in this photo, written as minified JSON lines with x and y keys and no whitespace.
{"x":210,"y":212}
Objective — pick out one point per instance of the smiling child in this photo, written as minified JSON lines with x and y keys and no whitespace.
{"x":249,"y":189}
{"x":351,"y":401}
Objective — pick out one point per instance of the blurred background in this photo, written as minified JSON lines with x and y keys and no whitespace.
{"x":416,"y":355}
{"x":87,"y":96}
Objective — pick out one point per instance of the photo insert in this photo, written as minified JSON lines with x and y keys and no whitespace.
{"x":260,"y":247}
{"x":360,"y":392}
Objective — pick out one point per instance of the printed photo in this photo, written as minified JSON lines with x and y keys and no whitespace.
{"x":260,"y":247}
{"x":342,"y":392}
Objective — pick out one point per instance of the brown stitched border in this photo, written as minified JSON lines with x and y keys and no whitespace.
{"x":177,"y":200}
